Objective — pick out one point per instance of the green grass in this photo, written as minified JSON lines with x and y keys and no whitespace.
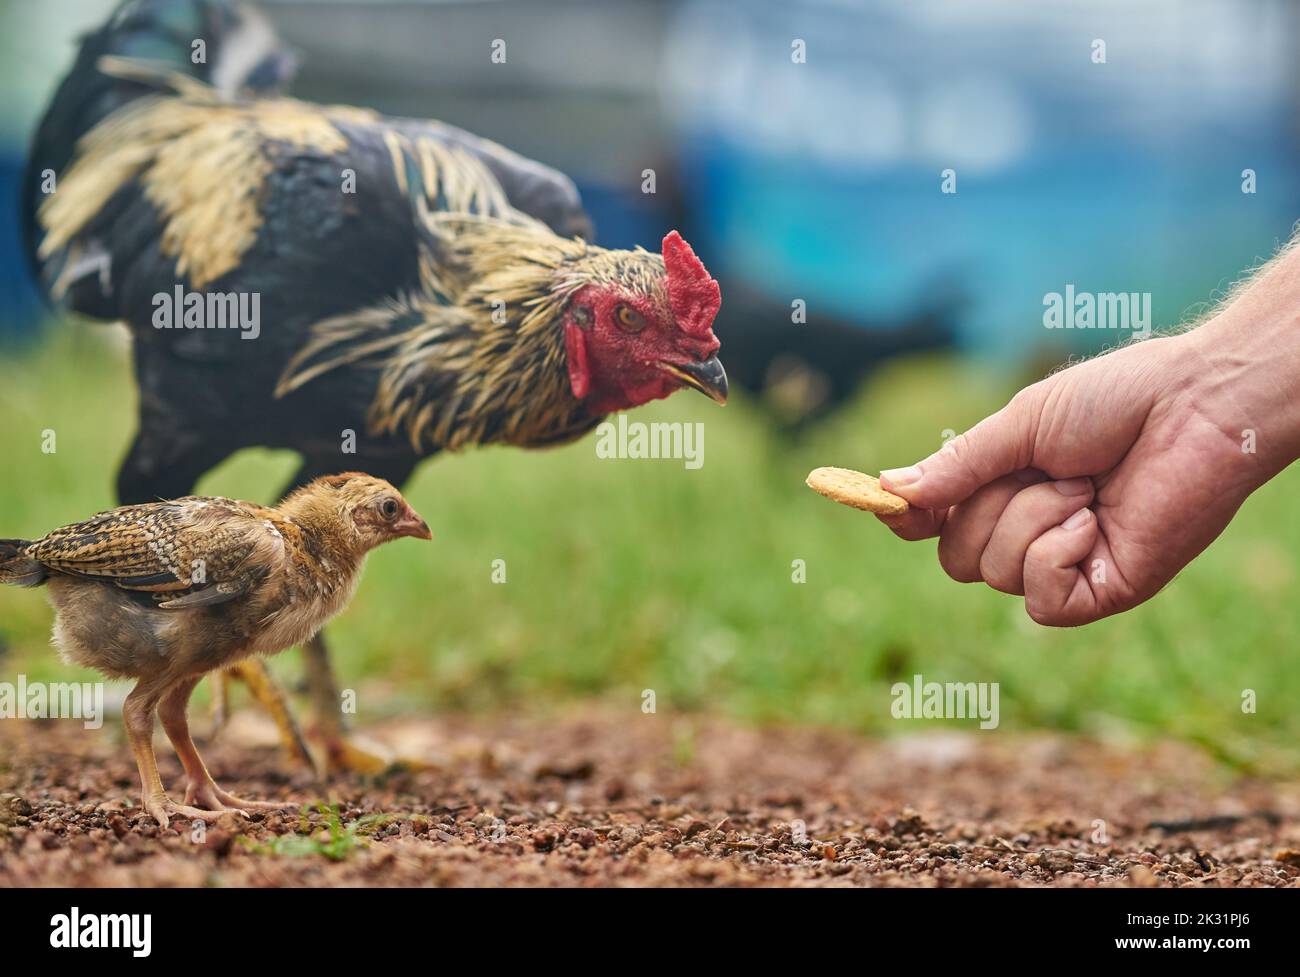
{"x":632,"y":575}
{"x":333,"y":840}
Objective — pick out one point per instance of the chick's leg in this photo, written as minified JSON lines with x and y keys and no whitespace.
{"x":254,"y":674}
{"x":202,"y":789}
{"x":137,"y":713}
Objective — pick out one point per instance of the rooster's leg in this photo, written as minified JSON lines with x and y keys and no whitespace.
{"x":220,"y":702}
{"x":201,"y":788}
{"x":342,"y":750}
{"x":137,"y":713}
{"x":267,"y":692}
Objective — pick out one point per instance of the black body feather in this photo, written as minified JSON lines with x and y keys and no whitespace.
{"x":268,"y":168}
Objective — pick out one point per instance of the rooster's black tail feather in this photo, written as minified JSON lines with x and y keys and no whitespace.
{"x":226,"y":44}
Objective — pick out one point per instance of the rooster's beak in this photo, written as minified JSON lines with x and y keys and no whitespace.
{"x":410,"y":524}
{"x":706,"y":376}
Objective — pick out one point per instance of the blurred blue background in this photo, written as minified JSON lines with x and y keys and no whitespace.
{"x":821,"y":180}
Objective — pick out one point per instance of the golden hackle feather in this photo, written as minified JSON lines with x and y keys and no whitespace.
{"x":451,"y":177}
{"x":477,"y":355}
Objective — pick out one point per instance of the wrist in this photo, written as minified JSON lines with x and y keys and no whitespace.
{"x":1244,"y":371}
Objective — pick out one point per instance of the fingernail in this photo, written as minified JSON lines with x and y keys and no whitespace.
{"x":1078,"y":520}
{"x":1074,"y":486}
{"x":900,"y":477}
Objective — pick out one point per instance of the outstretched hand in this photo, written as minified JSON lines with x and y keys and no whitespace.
{"x":1090,"y":490}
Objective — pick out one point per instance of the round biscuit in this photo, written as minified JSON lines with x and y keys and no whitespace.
{"x":857,"y":489}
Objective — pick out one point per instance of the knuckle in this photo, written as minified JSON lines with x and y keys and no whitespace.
{"x":1024,"y":416}
{"x":956,"y":562}
{"x":1025,"y":397}
{"x":1001,"y":578}
{"x":1048,"y":617}
{"x":958,"y":445}
{"x":961,"y":453}
{"x":1029,"y":400}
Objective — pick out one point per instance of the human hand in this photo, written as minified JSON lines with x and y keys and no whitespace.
{"x":1090,"y":490}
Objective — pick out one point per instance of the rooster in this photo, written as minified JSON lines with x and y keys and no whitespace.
{"x":413,"y":286}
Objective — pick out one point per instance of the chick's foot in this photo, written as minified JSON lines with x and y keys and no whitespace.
{"x":212,"y":797}
{"x":161,"y":808}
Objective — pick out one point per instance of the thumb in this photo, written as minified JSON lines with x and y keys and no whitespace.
{"x":996,"y":446}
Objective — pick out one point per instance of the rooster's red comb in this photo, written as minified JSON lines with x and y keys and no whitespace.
{"x":693,"y":295}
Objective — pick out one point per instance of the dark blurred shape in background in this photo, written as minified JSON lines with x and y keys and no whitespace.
{"x":819,"y":182}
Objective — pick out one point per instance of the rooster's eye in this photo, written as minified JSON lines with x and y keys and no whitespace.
{"x":629,"y":318}
{"x":388,"y":508}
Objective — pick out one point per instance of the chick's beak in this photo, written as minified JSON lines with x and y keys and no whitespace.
{"x":706,"y":376}
{"x":410,"y":524}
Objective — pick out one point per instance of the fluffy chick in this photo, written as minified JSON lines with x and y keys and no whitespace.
{"x":168,"y":591}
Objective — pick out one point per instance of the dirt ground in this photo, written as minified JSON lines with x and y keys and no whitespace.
{"x":597,"y":797}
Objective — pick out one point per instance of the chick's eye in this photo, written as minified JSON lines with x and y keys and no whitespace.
{"x":388,"y":508}
{"x":629,"y":318}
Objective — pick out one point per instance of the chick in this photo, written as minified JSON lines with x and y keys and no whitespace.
{"x":168,"y":591}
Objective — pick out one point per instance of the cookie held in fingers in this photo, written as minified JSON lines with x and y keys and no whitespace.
{"x":857,"y":489}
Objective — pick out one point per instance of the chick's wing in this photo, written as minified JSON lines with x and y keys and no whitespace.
{"x":215,"y":549}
